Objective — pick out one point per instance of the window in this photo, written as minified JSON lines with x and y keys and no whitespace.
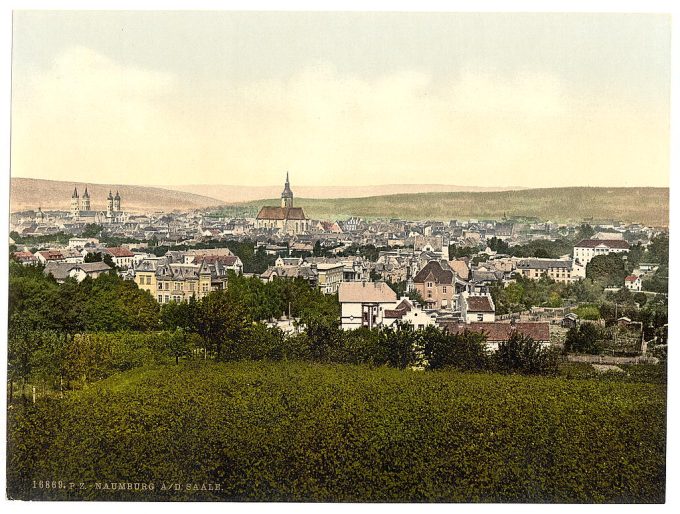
{"x":480,"y":317}
{"x":429,"y":284}
{"x":444,"y":289}
{"x":160,"y":298}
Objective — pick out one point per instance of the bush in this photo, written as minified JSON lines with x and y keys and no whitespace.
{"x":521,"y":354}
{"x":583,"y":339}
{"x":465,"y":350}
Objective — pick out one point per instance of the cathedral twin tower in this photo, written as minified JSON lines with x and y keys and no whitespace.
{"x":83,"y":208}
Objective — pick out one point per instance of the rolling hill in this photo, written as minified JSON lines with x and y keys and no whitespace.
{"x":644,"y":205}
{"x":229,"y":194}
{"x":28,"y":194}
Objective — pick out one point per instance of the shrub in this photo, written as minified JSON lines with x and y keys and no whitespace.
{"x":521,"y":354}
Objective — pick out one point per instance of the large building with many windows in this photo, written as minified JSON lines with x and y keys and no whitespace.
{"x":586,"y":249}
{"x":178,"y":282}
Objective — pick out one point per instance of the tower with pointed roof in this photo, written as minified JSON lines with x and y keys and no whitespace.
{"x":75,"y":203}
{"x":116,"y":202}
{"x":86,"y":200}
{"x":287,"y":194}
{"x":109,"y":205}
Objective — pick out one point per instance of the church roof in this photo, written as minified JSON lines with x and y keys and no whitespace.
{"x":281,"y":213}
{"x":75,"y":193}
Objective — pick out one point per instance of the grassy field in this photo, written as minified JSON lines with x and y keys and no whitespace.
{"x":310,"y":432}
{"x":573,"y":204}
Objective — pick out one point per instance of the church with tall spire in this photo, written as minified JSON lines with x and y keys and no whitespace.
{"x":286,"y":218}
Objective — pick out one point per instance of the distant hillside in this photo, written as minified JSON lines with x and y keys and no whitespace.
{"x":28,"y":193}
{"x":635,"y":204}
{"x":231,"y":194}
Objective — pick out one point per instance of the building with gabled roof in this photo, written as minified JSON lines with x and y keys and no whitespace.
{"x":177,"y":281}
{"x":286,"y":218}
{"x":363,"y":304}
{"x":61,"y":271}
{"x":435,"y":283}
{"x":497,"y":332}
{"x":476,"y":308}
{"x":586,"y":249}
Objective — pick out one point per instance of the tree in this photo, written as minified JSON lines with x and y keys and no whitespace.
{"x":92,"y":230}
{"x":221,"y":323}
{"x":582,"y":339}
{"x":585,"y":231}
{"x":398,"y":345}
{"x":640,"y":298}
{"x":464,"y":350}
{"x":610,"y":270}
{"x":178,"y":345}
{"x":521,"y":354}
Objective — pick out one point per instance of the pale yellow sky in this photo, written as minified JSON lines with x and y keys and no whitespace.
{"x":341,"y":98}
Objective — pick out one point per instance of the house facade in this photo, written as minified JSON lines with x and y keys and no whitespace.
{"x":560,"y":270}
{"x":436,"y":284}
{"x":586,"y":249}
{"x":476,"y":308}
{"x":363,"y":304}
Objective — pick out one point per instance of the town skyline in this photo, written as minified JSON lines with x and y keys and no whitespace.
{"x":342,"y":98}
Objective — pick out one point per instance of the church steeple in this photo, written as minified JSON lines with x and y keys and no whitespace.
{"x":287,"y":194}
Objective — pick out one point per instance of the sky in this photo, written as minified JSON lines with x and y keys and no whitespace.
{"x":530,"y":100}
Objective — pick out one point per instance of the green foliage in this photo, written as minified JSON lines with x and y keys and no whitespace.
{"x":305,"y":432}
{"x":60,"y":238}
{"x":465,"y":350}
{"x":583,"y":339}
{"x":525,"y":293}
{"x":588,"y":312}
{"x":456,"y":252}
{"x":608,"y":270}
{"x":521,"y":354}
{"x":544,"y":249}
{"x":640,"y":298}
{"x":92,"y":230}
{"x":658,"y":281}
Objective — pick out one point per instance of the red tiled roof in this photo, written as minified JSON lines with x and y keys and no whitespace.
{"x":479,"y":304}
{"x":501,"y":331}
{"x":24,"y":256}
{"x":609,"y":243}
{"x":631,"y":278}
{"x":51,"y":254}
{"x":281,"y":213}
{"x":119,"y":251}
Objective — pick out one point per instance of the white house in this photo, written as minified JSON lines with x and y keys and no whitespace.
{"x":633,"y":282}
{"x":122,"y":257}
{"x":409,"y":312}
{"x":363,"y":304}
{"x":476,"y":308}
{"x":586,"y":249}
